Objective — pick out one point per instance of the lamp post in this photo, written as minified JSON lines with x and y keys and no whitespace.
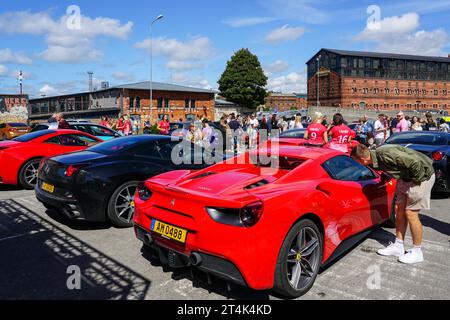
{"x":151,"y":64}
{"x":318,"y":80}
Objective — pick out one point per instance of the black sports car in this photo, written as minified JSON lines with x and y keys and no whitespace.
{"x":99,"y":184}
{"x":436,"y":145}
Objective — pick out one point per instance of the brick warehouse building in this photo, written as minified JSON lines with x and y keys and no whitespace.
{"x":379,"y":81}
{"x":286,"y":102}
{"x":130,"y":99}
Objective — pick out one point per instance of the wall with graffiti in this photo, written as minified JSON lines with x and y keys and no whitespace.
{"x":13,"y":108}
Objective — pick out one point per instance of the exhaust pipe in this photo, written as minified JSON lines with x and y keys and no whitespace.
{"x":148,"y":239}
{"x":195,"y":259}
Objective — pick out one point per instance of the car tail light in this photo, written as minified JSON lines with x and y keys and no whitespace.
{"x":143,"y":192}
{"x":251,"y":214}
{"x":245,"y":217}
{"x":437,"y":156}
{"x":73,"y":169}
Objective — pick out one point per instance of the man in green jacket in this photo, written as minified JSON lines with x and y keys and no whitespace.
{"x":416,"y":177}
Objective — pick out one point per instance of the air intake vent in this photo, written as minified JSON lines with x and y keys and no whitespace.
{"x":257,"y":185}
{"x":203,"y":175}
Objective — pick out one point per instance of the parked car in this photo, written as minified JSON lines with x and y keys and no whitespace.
{"x":20,"y":157}
{"x":94,"y":129}
{"x":435,"y":145}
{"x":99,"y":183}
{"x":11,"y":130}
{"x":264,"y":225}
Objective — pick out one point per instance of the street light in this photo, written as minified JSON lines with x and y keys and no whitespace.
{"x":318,"y":80}
{"x":151,"y":64}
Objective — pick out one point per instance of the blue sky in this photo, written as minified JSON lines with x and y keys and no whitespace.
{"x":193,"y":42}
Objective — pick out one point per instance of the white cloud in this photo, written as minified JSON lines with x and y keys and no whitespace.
{"x":285,"y":34}
{"x":8,"y":56}
{"x":3,"y":70}
{"x":181,"y":55}
{"x":48,"y":90}
{"x":298,"y":10}
{"x":399,"y":34}
{"x":248,"y":22}
{"x":67,"y":45}
{"x":290,"y":83}
{"x":378,"y":30}
{"x":187,"y":79}
{"x":276,"y":67}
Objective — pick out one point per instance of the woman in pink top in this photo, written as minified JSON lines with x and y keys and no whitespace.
{"x":316,"y":133}
{"x":341,"y":135}
{"x":164,"y":126}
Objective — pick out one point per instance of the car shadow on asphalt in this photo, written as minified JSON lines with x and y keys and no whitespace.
{"x":4,"y":187}
{"x":78,"y":225}
{"x":201,"y":280}
{"x":42,"y":262}
{"x":437,"y":225}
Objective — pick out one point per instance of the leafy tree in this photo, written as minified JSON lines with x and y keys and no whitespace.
{"x":243,"y":81}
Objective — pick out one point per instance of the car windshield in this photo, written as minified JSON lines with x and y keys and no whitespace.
{"x":32,"y":136}
{"x":116,"y":145}
{"x":418,"y":138}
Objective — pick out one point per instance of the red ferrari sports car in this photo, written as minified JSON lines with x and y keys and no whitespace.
{"x":264,"y":221}
{"x":20,"y":157}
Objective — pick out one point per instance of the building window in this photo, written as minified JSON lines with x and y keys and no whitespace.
{"x":376,"y":91}
{"x":160,"y":103}
{"x":424,"y":92}
{"x":193,"y":104}
{"x":387,"y":91}
{"x":138,"y":102}
{"x":166,"y":103}
{"x":365,"y":90}
{"x":436,"y":92}
{"x":444,"y":92}
{"x":186,"y":104}
{"x":397,"y":91}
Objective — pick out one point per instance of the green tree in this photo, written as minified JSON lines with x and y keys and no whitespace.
{"x":243,"y":81}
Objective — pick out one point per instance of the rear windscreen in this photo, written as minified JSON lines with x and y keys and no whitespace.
{"x":32,"y":136}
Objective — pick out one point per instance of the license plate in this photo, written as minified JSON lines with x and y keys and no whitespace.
{"x":168,"y":231}
{"x":48,"y":187}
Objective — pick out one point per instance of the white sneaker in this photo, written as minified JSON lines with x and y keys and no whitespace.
{"x":393,"y":250}
{"x":412,"y":257}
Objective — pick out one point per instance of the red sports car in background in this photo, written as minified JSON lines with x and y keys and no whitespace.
{"x":266,"y":226}
{"x":20,"y":157}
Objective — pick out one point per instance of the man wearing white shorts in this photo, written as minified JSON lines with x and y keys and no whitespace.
{"x":416,"y":177}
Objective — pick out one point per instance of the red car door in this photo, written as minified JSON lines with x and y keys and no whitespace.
{"x":355,"y":193}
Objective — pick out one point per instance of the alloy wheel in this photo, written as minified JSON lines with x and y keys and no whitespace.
{"x":124,"y":204}
{"x":303,"y":258}
{"x":31,"y":171}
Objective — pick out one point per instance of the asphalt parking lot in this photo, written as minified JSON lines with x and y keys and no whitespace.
{"x":38,"y":246}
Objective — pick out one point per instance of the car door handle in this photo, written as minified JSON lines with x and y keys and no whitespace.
{"x":323,"y":189}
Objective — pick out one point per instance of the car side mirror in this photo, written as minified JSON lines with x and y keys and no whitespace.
{"x":385,"y":177}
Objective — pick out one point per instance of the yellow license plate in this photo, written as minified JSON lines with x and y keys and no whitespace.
{"x":48,"y":187}
{"x":168,"y":231}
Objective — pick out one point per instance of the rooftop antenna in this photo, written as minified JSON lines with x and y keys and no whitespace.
{"x":90,"y":73}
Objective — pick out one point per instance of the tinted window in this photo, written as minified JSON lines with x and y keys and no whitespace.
{"x":293,"y":134}
{"x":2,"y":125}
{"x":346,"y":169}
{"x":101,"y":131}
{"x":149,"y":150}
{"x":80,"y":127}
{"x":17,"y":125}
{"x":421,"y":138}
{"x":54,"y":140}
{"x":116,"y":145}
{"x":72,"y":140}
{"x":32,"y":136}
{"x":40,"y":127}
